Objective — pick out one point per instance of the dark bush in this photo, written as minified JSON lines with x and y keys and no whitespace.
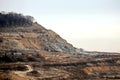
{"x":15,"y":19}
{"x":31,"y":58}
{"x":1,"y":40}
{"x":34,"y":73}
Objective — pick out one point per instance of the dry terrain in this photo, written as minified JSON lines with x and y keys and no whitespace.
{"x":28,"y":51}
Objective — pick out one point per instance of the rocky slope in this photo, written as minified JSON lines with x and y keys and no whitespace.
{"x":34,"y":37}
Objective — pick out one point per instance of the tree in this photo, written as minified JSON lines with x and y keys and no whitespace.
{"x":15,"y":19}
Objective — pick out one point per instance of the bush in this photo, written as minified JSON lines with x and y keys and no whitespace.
{"x":1,"y":40}
{"x":14,"y":19}
{"x":34,"y":73}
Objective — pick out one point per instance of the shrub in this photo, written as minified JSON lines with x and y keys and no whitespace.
{"x":14,"y":19}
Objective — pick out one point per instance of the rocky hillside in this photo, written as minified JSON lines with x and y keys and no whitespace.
{"x":34,"y":37}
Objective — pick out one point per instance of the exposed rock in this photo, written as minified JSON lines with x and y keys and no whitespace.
{"x":34,"y":37}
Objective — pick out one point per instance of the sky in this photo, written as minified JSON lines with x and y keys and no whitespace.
{"x":89,"y":24}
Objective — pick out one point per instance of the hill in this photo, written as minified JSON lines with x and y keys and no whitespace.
{"x":28,"y":51}
{"x":24,"y":36}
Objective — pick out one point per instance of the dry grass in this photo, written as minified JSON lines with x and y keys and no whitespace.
{"x":15,"y":77}
{"x":91,"y":70}
{"x":8,"y":67}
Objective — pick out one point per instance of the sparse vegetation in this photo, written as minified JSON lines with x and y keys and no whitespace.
{"x":33,"y":73}
{"x":8,"y":57}
{"x":12,"y":67}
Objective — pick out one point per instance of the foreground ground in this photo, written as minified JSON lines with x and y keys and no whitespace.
{"x":60,"y":66}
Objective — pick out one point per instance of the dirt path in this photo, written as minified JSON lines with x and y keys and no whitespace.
{"x":23,"y":73}
{"x":29,"y":68}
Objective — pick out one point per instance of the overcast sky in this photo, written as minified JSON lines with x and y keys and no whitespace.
{"x":88,"y":24}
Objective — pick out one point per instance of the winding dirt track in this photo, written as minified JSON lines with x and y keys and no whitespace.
{"x":23,"y":73}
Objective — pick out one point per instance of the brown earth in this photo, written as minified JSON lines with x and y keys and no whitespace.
{"x":35,"y":53}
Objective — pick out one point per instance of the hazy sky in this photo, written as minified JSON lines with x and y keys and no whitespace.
{"x":88,"y":24}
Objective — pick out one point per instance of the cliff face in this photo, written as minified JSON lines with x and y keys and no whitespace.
{"x":33,"y":37}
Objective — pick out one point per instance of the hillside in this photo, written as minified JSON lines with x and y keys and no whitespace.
{"x":34,"y":37}
{"x":28,"y":51}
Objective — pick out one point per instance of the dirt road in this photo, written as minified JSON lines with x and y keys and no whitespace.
{"x":23,"y":73}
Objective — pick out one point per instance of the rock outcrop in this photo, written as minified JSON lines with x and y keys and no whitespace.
{"x":33,"y":37}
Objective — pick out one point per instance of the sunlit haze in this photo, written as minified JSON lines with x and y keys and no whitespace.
{"x":89,"y":24}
